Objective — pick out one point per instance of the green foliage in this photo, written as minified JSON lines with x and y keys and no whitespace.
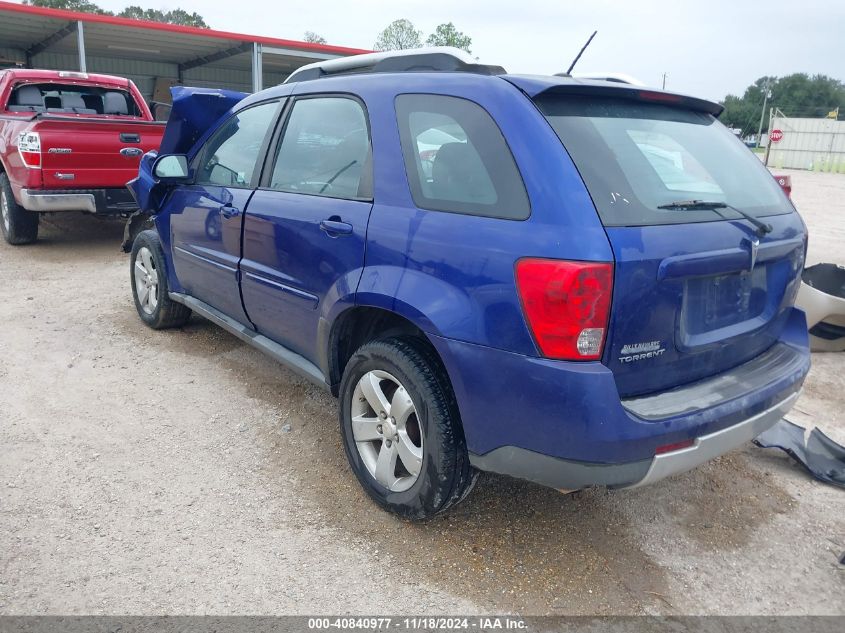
{"x":83,"y":6}
{"x":176,"y":16}
{"x":314,"y":38}
{"x":448,"y":35}
{"x":797,"y":95}
{"x":399,"y":35}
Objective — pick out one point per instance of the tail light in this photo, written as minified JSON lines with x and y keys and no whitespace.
{"x":666,"y":97}
{"x":567,"y":305}
{"x":29,"y":146}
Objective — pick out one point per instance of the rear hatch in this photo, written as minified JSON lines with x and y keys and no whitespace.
{"x":85,"y":152}
{"x":698,"y":286}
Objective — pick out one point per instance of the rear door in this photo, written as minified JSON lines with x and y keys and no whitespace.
{"x":697,"y":289}
{"x":305,"y":228}
{"x":206,"y":216}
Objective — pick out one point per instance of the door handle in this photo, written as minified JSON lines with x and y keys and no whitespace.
{"x":336,"y":227}
{"x":228,"y":211}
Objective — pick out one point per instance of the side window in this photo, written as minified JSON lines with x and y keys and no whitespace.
{"x":457,"y":159}
{"x":230,"y":156}
{"x":325,"y":150}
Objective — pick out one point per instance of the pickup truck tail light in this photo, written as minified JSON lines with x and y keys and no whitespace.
{"x":566,"y":305}
{"x":29,"y":146}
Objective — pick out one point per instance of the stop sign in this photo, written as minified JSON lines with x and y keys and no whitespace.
{"x":776,"y":135}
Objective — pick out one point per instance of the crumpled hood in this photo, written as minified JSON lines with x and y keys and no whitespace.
{"x":194,"y":111}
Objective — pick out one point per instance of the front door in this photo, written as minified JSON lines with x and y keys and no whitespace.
{"x":206,"y":216}
{"x":305,"y":230}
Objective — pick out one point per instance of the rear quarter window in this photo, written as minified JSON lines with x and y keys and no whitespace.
{"x":457,"y":160}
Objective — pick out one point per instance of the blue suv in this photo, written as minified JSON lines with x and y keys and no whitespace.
{"x":574,"y":282}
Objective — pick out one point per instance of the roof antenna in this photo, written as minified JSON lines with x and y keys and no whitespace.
{"x":581,"y":52}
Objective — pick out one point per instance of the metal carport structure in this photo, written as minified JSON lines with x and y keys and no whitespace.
{"x":150,"y":52}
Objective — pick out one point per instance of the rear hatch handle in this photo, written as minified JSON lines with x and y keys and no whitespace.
{"x":726,"y":261}
{"x":130,"y":137}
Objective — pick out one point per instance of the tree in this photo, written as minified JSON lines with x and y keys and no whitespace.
{"x":314,"y":38}
{"x":83,"y":6}
{"x":798,"y":95}
{"x":175,"y":16}
{"x":399,"y":34}
{"x":448,"y":35}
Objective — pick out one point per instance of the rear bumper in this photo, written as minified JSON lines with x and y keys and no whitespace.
{"x":563,"y":424}
{"x":566,"y":474}
{"x":709,"y":446}
{"x":96,"y":201}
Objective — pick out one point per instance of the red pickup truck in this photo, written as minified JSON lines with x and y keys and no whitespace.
{"x":68,"y":142}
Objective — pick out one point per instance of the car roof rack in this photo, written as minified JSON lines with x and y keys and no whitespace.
{"x":435,"y":58}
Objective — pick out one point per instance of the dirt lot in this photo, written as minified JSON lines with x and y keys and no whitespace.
{"x":183,"y":472}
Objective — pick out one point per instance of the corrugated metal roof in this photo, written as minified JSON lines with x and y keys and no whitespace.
{"x":23,"y":26}
{"x":147,"y":52}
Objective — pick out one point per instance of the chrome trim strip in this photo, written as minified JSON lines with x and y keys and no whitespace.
{"x":48,"y":202}
{"x":296,"y":292}
{"x":205,"y":260}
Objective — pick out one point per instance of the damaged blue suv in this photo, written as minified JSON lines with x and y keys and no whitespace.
{"x":574,"y":282}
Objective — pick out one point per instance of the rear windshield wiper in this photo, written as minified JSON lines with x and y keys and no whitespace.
{"x":705,"y":205}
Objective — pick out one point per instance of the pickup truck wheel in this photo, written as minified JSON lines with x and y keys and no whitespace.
{"x":148,"y":274}
{"x":19,"y":226}
{"x":401,"y":429}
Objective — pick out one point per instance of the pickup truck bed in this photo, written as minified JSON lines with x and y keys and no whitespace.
{"x":68,"y":142}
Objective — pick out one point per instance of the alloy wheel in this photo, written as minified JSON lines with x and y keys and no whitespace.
{"x":4,"y":211}
{"x":387,"y":430}
{"x":146,"y":280}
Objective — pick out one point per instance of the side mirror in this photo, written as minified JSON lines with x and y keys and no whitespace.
{"x":171,"y":168}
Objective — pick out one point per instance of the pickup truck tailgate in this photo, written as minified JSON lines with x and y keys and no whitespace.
{"x":79,"y":153}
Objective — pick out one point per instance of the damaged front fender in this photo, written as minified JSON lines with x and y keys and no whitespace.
{"x":194,"y":112}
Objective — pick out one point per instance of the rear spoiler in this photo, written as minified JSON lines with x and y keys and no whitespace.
{"x":536,"y":87}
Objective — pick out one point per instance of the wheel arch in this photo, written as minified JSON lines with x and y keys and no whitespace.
{"x":360,"y":324}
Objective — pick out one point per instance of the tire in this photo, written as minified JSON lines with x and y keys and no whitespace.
{"x":431,"y":470}
{"x":18,"y":225}
{"x":148,"y":278}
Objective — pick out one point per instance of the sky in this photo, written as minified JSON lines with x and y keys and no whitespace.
{"x":706,"y":48}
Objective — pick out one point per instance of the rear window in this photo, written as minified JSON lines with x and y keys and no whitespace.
{"x":72,"y":99}
{"x":636,"y":157}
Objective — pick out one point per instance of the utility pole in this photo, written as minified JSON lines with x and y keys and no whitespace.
{"x":664,"y":80}
{"x":769,"y":144}
{"x":766,"y":95}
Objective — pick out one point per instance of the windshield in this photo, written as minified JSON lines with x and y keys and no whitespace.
{"x":637,"y":157}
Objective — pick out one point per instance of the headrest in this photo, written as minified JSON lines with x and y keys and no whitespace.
{"x":114,"y":103}
{"x":73,"y":100}
{"x":29,"y":96}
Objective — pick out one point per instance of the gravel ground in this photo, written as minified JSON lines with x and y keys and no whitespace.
{"x":182,"y":472}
